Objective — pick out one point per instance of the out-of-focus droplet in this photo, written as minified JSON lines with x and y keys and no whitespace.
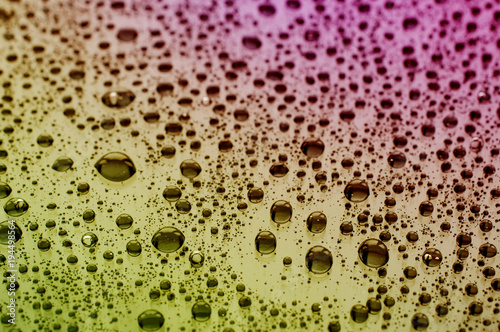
{"x":5,"y":190}
{"x":116,"y":167}
{"x":45,"y":140}
{"x":6,"y":230}
{"x":359,"y":313}
{"x":118,"y":99}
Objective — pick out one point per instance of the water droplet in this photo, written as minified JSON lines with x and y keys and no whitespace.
{"x":488,"y":250}
{"x":62,"y":164}
{"x":251,"y":43}
{"x":173,"y":128}
{"x":168,"y":151}
{"x":45,"y":140}
{"x":5,"y":229}
{"x":172,"y":193}
{"x":316,"y":222}
{"x":151,"y":320}
{"x":255,"y":195}
{"x":357,"y":191}
{"x":196,"y":258}
{"x":43,"y":244}
{"x":278,"y":170}
{"x":16,"y":207}
{"x":244,"y":302}
{"x":201,"y":311}
{"x":5,"y":190}
{"x":397,"y":159}
{"x":313,"y":147}
{"x":134,"y":248}
{"x":168,"y":239}
{"x":118,"y":99}
{"x":265,"y":242}
{"x":373,"y":253}
{"x":126,"y":34}
{"x":190,"y":168}
{"x":281,"y":212}
{"x":124,"y":221}
{"x":359,"y":313}
{"x":183,"y":206}
{"x":89,"y":239}
{"x":420,"y":322}
{"x":115,"y":166}
{"x":432,"y":257}
{"x":319,"y":260}
{"x":426,"y":208}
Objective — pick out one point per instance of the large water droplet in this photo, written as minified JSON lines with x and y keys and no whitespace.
{"x":359,"y":313}
{"x":373,"y":253}
{"x":5,"y":190}
{"x":313,"y":147}
{"x":432,"y":257}
{"x":89,"y":239}
{"x":6,"y":229}
{"x":281,"y":212}
{"x":319,"y":260}
{"x":172,"y":193}
{"x":278,"y":170}
{"x":420,"y":322}
{"x":201,"y":311}
{"x":265,"y":242}
{"x":168,"y":239}
{"x":124,"y":221}
{"x":118,"y":99}
{"x":316,"y":222}
{"x":151,"y":320}
{"x":116,"y":167}
{"x":357,"y":191}
{"x":62,"y":164}
{"x":190,"y":168}
{"x":16,"y":207}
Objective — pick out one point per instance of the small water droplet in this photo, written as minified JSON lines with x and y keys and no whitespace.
{"x":5,"y":231}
